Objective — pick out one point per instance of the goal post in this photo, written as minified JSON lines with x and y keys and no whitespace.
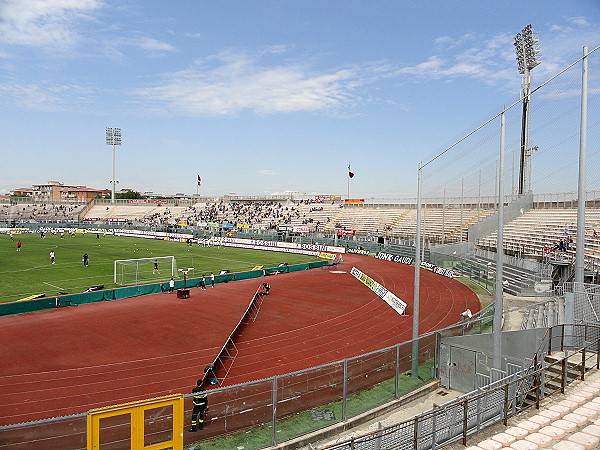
{"x":143,"y":270}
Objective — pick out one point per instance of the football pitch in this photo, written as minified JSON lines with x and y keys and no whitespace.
{"x":30,"y":272}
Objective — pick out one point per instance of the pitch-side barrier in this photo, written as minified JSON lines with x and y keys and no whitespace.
{"x":215,"y":373}
{"x":57,"y":301}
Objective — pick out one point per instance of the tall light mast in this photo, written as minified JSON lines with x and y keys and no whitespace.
{"x":527,"y":47}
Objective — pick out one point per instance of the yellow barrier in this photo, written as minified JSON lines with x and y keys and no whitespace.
{"x":31,"y":297}
{"x":327,"y":255}
{"x":136,"y":410}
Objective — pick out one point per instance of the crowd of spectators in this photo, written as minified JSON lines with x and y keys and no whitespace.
{"x":40,"y":212}
{"x":263,"y":214}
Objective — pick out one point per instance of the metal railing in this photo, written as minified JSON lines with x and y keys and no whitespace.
{"x":465,"y":416}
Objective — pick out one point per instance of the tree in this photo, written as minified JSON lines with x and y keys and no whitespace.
{"x":129,"y":194}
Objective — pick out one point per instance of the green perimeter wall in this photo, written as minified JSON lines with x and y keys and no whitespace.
{"x":41,"y":304}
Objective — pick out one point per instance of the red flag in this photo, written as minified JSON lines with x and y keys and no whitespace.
{"x":199,"y":180}
{"x":350,"y":173}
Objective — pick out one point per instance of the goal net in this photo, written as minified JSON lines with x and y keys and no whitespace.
{"x":144,"y":270}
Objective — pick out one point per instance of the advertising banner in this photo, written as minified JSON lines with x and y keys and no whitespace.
{"x":328,"y":198}
{"x":152,"y":234}
{"x":344,"y":232}
{"x":276,"y":245}
{"x":398,"y":305}
{"x":358,"y":251}
{"x":354,"y":200}
{"x":327,"y":255}
{"x":411,"y":261}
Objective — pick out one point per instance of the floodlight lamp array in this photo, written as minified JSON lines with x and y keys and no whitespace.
{"x":527,"y":47}
{"x":113,"y":136}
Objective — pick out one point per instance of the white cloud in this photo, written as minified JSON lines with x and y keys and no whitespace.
{"x":425,"y":69}
{"x":453,"y":42}
{"x":145,"y":43}
{"x":266,"y":172}
{"x":580,"y":20}
{"x":45,"y":97}
{"x":42,"y":22}
{"x":232,"y":82}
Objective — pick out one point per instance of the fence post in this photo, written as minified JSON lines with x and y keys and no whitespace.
{"x":397,"y":374}
{"x":597,"y":353}
{"x":563,"y":375}
{"x":274,"y":409}
{"x":550,"y":340}
{"x":416,"y":433}
{"x":344,"y":390}
{"x":465,"y":422}
{"x":583,"y":363}
{"x":537,"y":389}
{"x":378,"y":439}
{"x":505,"y":420}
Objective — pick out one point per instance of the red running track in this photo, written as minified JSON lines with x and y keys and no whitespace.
{"x":72,"y":359}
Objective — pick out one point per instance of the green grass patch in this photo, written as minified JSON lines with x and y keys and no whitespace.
{"x":475,"y":287}
{"x":29,"y":271}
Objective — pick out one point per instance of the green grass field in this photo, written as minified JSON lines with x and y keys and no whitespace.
{"x":29,"y":271}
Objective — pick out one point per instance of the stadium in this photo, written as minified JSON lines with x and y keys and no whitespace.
{"x":370,"y":303}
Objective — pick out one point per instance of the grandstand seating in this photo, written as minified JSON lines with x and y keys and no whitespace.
{"x":568,"y":422}
{"x":537,"y":232}
{"x":40,"y":212}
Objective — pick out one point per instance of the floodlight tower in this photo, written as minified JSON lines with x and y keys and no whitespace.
{"x":527,"y":47}
{"x":113,"y":137}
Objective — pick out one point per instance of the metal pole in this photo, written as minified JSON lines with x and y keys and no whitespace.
{"x":274,"y":412}
{"x":397,"y":371}
{"x":524,"y":129}
{"x":479,"y":196}
{"x":512,"y":178}
{"x":444,"y":219}
{"x":498,"y":306}
{"x":462,"y":205}
{"x":414,"y":372}
{"x":348,"y":181}
{"x":581,"y":197}
{"x":345,"y":391}
{"x":112,"y":195}
{"x":423,"y":233}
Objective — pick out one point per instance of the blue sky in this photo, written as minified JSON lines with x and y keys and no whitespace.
{"x":261,"y":97}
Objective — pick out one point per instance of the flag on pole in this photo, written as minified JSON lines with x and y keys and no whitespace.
{"x":199,"y":180}
{"x":350,"y":173}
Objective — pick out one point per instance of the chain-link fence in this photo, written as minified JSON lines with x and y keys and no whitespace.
{"x":465,"y":416}
{"x":265,"y":412}
{"x":460,"y":183}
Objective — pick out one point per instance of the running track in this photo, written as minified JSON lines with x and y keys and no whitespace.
{"x":72,"y":359}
